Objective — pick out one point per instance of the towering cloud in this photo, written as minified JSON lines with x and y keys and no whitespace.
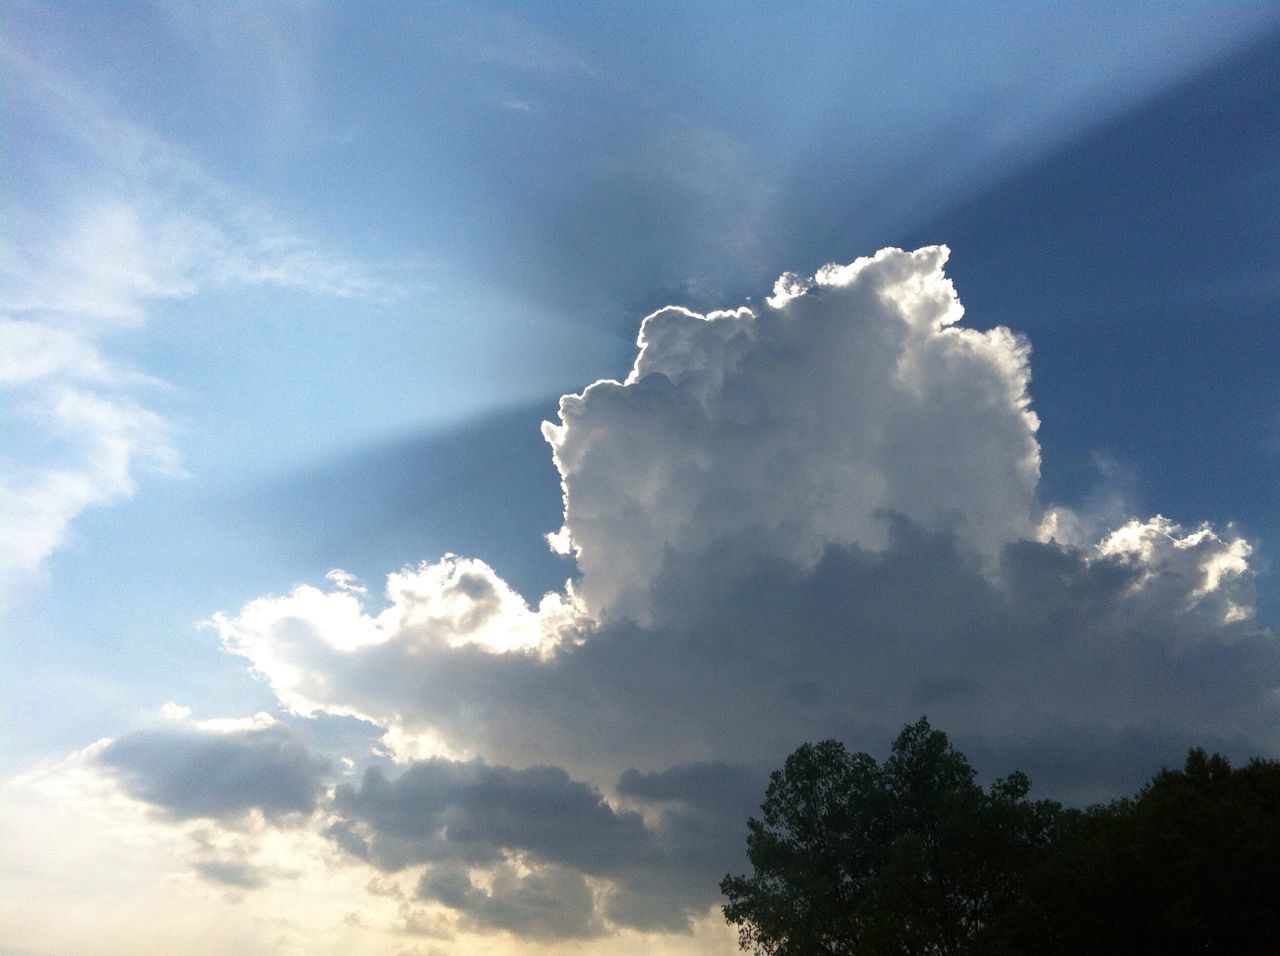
{"x":801,"y":425}
{"x":816,"y":517}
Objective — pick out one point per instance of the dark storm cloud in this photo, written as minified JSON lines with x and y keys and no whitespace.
{"x":474,"y":812}
{"x":700,"y":785}
{"x":189,"y":772}
{"x":549,"y":903}
{"x":457,"y":816}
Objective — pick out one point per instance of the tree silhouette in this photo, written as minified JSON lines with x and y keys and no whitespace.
{"x":910,"y":857}
{"x":1191,"y":864}
{"x":913,"y":857}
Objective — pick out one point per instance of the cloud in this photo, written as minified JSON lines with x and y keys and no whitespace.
{"x":304,"y":644}
{"x":814,"y":518}
{"x":240,"y":875}
{"x":220,"y":773}
{"x":472,"y":812}
{"x":82,"y":446}
{"x":801,"y":424}
{"x":131,"y":224}
{"x":529,"y":850}
{"x":820,"y":514}
{"x":1198,"y":567}
{"x":90,"y":869}
{"x":710,"y":784}
{"x":547,"y":903}
{"x":753,"y":654}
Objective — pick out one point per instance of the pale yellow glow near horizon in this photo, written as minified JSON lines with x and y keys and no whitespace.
{"x":87,"y":869}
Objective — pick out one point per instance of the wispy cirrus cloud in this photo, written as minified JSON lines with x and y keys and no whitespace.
{"x":132,"y":224}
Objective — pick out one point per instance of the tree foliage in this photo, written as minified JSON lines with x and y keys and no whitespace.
{"x":1191,"y":864}
{"x":912,"y":856}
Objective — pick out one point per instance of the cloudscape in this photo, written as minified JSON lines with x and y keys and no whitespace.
{"x":415,"y":549}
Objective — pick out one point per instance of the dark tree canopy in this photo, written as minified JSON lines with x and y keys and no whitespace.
{"x":1191,"y":864}
{"x":913,"y":857}
{"x":910,"y":857}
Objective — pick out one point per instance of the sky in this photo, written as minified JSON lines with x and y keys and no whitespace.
{"x":453,"y":452}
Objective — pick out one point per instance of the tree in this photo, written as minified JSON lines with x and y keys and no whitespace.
{"x":908,"y":857}
{"x":1191,"y":864}
{"x":912,"y":857}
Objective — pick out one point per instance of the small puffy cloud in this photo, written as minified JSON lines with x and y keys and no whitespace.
{"x":219,"y":773}
{"x":346,"y":581}
{"x":463,"y":601}
{"x":305,"y":644}
{"x":1199,"y":567}
{"x":238,"y":874}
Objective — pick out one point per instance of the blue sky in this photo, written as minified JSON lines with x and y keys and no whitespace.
{"x":291,"y":288}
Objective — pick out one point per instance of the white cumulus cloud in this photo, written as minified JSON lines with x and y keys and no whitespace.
{"x":801,"y":423}
{"x":816,"y":518}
